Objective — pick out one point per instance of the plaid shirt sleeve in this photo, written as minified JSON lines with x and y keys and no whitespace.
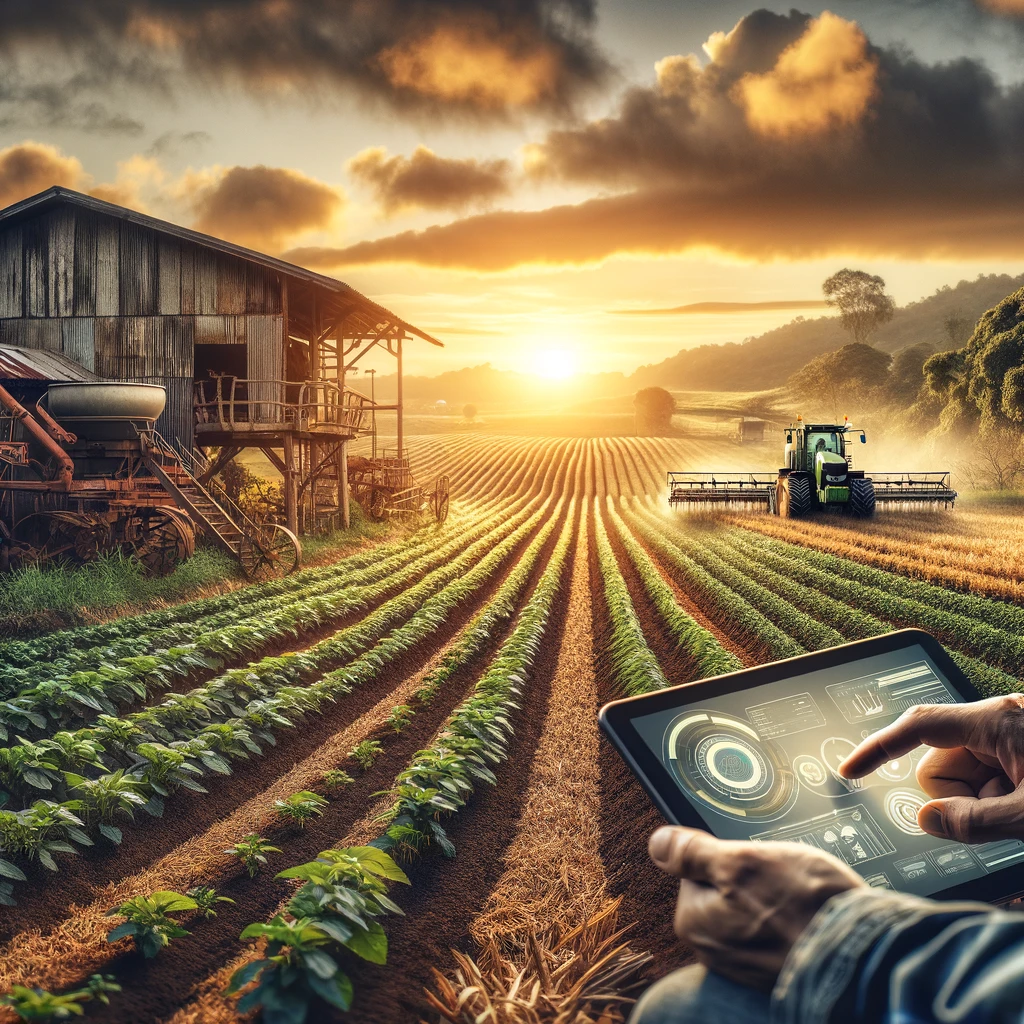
{"x":876,"y":957}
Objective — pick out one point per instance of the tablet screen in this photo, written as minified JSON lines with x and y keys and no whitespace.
{"x":761,"y":764}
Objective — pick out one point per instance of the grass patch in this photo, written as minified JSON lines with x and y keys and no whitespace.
{"x":112,"y":581}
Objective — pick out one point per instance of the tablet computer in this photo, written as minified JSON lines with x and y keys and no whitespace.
{"x":754,"y":754}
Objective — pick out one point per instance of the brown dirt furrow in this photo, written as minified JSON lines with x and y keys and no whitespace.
{"x":76,"y":947}
{"x":627,"y":818}
{"x":553,"y":875}
{"x":41,"y":906}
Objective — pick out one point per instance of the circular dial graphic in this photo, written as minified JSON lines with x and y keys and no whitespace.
{"x":902,"y":806}
{"x":896,"y":770}
{"x":834,"y":751}
{"x":810,"y":771}
{"x":722,"y":762}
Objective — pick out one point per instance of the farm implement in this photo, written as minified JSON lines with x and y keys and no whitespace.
{"x":818,"y":475}
{"x":85,"y":473}
{"x":386,"y":487}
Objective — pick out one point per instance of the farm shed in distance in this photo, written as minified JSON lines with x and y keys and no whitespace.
{"x":253,"y":352}
{"x":751,"y":430}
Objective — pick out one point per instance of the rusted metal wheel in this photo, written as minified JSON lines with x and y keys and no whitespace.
{"x":43,"y":537}
{"x":277,"y":552}
{"x":162,"y":538}
{"x":440,"y":501}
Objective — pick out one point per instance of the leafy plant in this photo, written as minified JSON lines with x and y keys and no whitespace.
{"x":294,"y":972}
{"x":148,"y":920}
{"x":205,"y":897}
{"x":365,"y":753}
{"x":401,"y":715}
{"x":36,"y":1004}
{"x":252,"y":852}
{"x":301,"y":807}
{"x":336,"y":778}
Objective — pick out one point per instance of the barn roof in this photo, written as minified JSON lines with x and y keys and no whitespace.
{"x":372,"y":317}
{"x":36,"y":364}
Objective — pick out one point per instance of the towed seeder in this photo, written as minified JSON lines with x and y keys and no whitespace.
{"x":818,"y":474}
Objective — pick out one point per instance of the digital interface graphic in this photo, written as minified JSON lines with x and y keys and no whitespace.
{"x":763,"y":764}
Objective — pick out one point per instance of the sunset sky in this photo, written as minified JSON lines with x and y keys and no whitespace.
{"x":522,"y":176}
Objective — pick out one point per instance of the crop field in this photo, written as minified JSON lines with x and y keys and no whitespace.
{"x":435,"y":696}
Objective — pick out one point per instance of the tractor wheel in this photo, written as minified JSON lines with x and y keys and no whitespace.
{"x":862,"y":498}
{"x":378,"y":505}
{"x":796,"y":498}
{"x":162,"y":539}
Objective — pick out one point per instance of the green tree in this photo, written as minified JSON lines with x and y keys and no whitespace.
{"x":957,"y":327}
{"x":906,"y":373}
{"x":653,"y":410}
{"x":861,"y":300}
{"x":851,"y":374}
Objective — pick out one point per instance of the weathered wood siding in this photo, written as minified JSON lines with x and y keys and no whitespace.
{"x":131,"y":303}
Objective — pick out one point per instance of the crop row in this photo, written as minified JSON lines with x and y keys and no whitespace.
{"x":24,"y":653}
{"x":708,"y":656}
{"x":633,"y":664}
{"x":751,"y":628}
{"x":998,"y":614}
{"x":843,"y":603}
{"x":159,"y":757}
{"x":250,"y":611}
{"x":102,"y":690}
{"x":437,"y":784}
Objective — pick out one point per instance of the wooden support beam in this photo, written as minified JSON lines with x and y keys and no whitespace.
{"x":401,"y":399}
{"x":275,"y":459}
{"x":343,"y":496}
{"x":291,"y":489}
{"x":224,"y":456}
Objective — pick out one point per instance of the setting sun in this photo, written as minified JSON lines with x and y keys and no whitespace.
{"x":556,"y":364}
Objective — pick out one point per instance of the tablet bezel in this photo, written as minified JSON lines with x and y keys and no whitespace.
{"x":616,"y":719}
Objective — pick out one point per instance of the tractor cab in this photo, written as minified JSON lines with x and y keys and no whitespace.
{"x":820,"y":450}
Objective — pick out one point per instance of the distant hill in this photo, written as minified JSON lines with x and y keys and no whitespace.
{"x":770,"y":359}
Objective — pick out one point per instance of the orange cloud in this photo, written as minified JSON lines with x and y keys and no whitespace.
{"x":825,"y":78}
{"x":428,"y":181}
{"x":31,"y":167}
{"x":1003,"y":6}
{"x":469,"y":64}
{"x":262,"y":207}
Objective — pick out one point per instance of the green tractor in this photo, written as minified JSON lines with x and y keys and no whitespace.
{"x":818,"y":475}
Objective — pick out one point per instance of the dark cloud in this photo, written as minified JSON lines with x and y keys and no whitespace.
{"x":798,"y":139}
{"x":173,"y":143}
{"x":262,"y":207}
{"x":482,"y":56}
{"x":32,"y":104}
{"x":428,"y":181}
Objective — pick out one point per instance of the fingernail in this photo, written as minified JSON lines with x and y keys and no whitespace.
{"x":930,"y":819}
{"x":660,"y":845}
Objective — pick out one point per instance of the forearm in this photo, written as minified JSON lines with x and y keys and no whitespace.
{"x":872,"y":956}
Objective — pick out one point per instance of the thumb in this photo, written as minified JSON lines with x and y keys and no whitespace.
{"x":969,"y":819}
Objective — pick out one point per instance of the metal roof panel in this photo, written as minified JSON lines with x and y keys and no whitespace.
{"x":35,"y":364}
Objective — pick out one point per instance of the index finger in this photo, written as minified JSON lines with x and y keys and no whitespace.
{"x":937,"y":725}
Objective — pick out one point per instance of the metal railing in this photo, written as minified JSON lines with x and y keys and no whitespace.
{"x":234,"y":403}
{"x":195,"y":464}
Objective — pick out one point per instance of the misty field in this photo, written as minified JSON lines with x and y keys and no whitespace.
{"x":438,"y":693}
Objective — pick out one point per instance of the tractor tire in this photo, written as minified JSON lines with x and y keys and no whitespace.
{"x":796,"y":498}
{"x":862,"y":499}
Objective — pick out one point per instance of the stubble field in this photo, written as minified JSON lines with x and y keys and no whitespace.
{"x":455,"y":676}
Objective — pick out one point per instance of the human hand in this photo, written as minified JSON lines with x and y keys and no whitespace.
{"x":741,"y":905}
{"x":974,"y":771}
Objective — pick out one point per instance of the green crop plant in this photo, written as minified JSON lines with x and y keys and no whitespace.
{"x":40,"y":831}
{"x":146,"y":742}
{"x":440,"y":779}
{"x":365,"y":753}
{"x":36,"y":1004}
{"x":634,"y":666}
{"x":301,"y":807}
{"x":401,"y":715}
{"x":103,"y":799}
{"x":708,"y":656}
{"x":252,"y":852}
{"x":148,"y":921}
{"x":206,"y":897}
{"x":749,"y":626}
{"x":342,"y":892}
{"x":336,"y":778}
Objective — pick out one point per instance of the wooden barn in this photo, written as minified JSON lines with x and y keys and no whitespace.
{"x":253,"y":352}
